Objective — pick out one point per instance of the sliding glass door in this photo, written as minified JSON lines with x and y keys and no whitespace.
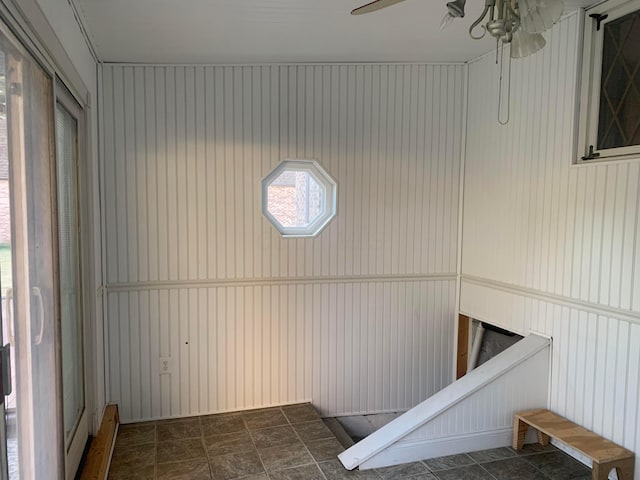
{"x":69,"y":132}
{"x":41,"y":133}
{"x":29,"y":110}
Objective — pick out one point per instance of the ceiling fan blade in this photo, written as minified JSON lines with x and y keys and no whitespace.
{"x":373,"y":6}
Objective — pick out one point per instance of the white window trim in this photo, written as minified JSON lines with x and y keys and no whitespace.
{"x":590,"y":87}
{"x":329,"y":199}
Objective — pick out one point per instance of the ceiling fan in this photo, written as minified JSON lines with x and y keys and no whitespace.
{"x":519,"y":22}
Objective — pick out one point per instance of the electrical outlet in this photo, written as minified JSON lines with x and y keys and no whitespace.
{"x":166,"y":365}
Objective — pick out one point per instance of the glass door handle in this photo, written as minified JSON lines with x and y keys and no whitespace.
{"x":36,"y":293}
{"x":8,"y":306}
{"x":5,"y":371}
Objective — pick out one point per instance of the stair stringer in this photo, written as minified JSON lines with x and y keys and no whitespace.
{"x":473,"y":413}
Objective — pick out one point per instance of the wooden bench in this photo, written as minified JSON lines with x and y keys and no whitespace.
{"x":605,"y":455}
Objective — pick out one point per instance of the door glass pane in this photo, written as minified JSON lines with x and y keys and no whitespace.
{"x":71,"y":324}
{"x":6,"y":275}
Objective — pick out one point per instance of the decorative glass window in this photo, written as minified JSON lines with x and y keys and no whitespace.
{"x":610,"y":101}
{"x":299,"y":198}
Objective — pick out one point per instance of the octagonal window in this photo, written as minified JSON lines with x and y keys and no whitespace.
{"x":299,"y":198}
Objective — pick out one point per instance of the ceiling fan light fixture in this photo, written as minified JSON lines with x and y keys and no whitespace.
{"x":537,"y":16}
{"x":525,"y":43}
{"x":456,"y":8}
{"x":504,"y":17}
{"x":502,"y":20}
{"x":446,"y":20}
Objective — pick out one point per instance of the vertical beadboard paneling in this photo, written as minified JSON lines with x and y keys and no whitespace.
{"x":251,"y":346}
{"x":352,"y":319}
{"x":552,"y":247}
{"x":187,"y":147}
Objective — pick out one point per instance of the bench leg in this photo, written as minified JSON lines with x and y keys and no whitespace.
{"x":543,"y":439}
{"x":519,"y":431}
{"x":601,"y":471}
{"x":624,"y":469}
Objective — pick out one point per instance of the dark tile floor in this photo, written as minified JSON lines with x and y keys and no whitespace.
{"x":293,"y":443}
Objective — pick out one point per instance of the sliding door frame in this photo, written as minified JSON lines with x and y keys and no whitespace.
{"x":29,"y":25}
{"x":24,"y":21}
{"x":74,"y":451}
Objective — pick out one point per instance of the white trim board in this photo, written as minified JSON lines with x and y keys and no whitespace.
{"x":141,"y":286}
{"x":598,"y":309}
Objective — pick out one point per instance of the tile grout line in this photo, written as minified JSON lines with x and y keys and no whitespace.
{"x":157,"y":442}
{"x":536,"y":467}
{"x":295,"y":432}
{"x":488,"y":472}
{"x":204,"y":445}
{"x":264,"y":467}
{"x":484,"y":469}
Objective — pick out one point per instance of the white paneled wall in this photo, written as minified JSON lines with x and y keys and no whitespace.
{"x":553,"y":247}
{"x":531,"y":218}
{"x":358,"y":319}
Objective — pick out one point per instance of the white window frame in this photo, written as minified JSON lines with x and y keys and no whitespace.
{"x":328,"y":200}
{"x":591,"y":83}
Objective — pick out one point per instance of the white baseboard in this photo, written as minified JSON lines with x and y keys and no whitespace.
{"x":440,"y":447}
{"x":422,"y":450}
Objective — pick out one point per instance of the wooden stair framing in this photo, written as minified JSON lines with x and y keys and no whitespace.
{"x":97,"y":465}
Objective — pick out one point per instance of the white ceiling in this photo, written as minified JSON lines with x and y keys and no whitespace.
{"x":274,"y":31}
